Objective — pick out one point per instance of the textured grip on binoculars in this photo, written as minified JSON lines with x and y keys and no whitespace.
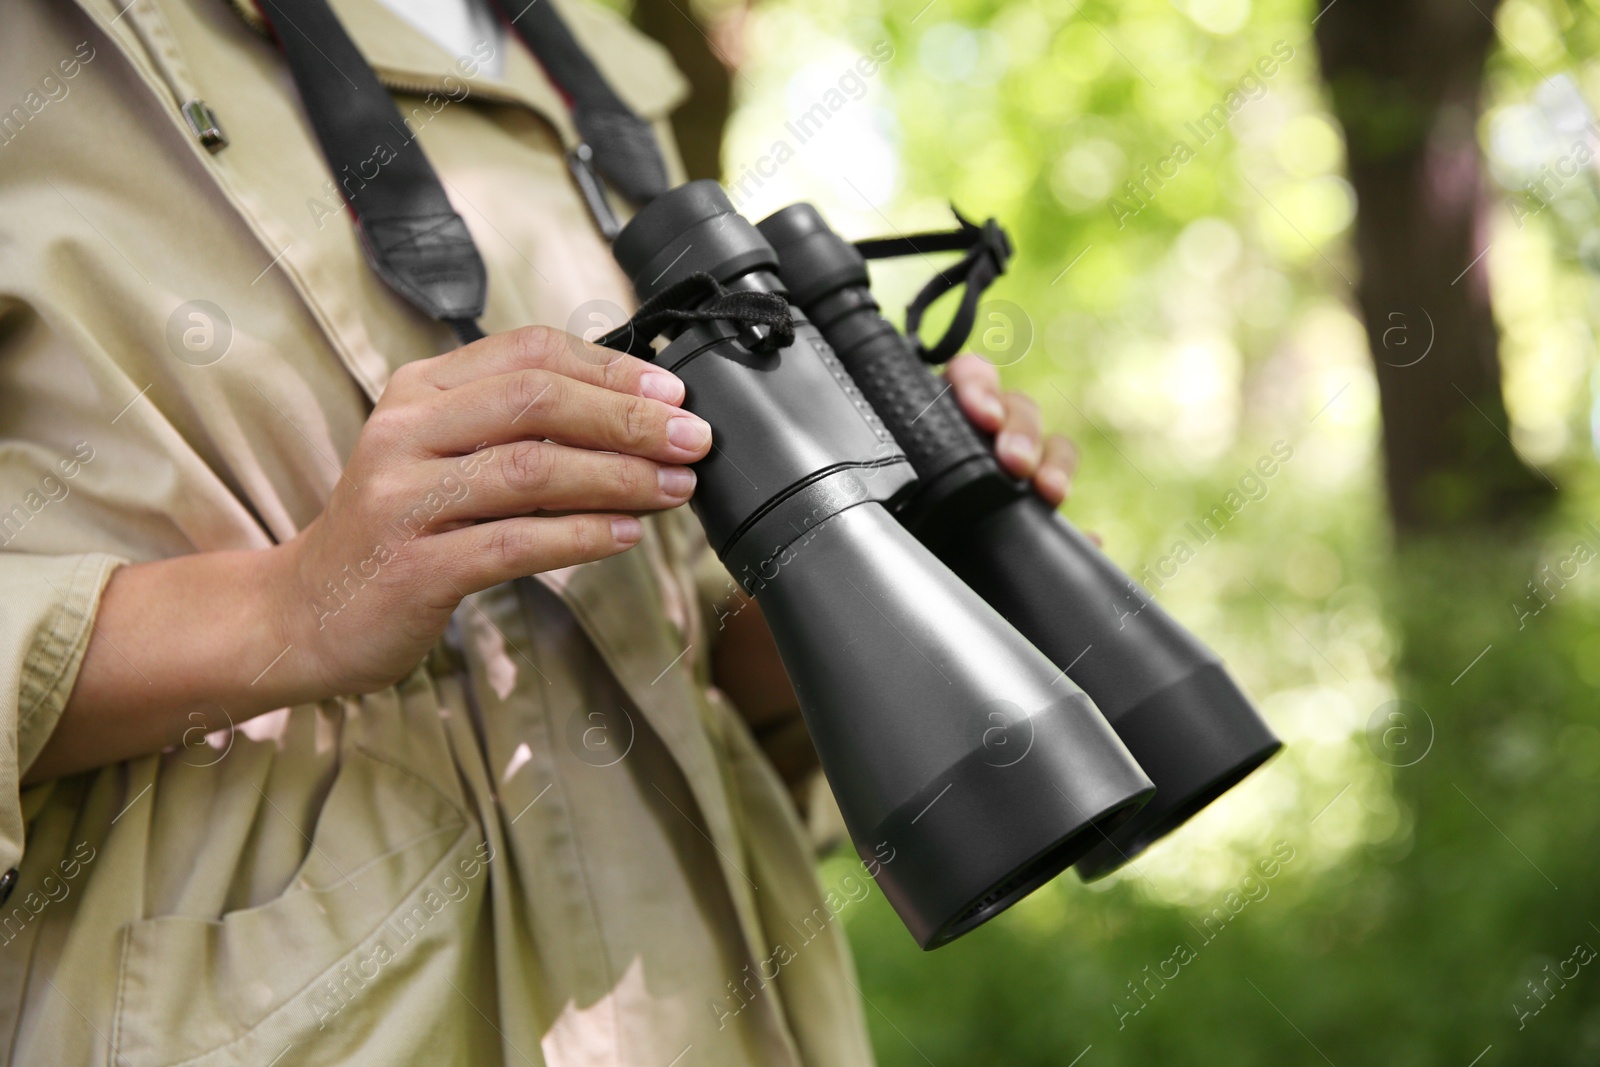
{"x":915,"y":404}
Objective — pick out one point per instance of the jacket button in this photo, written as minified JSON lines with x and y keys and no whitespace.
{"x":8,"y":882}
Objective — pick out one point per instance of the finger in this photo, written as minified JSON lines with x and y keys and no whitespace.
{"x":1053,"y":480}
{"x":527,"y":476}
{"x":977,"y":388}
{"x":476,"y":557}
{"x":1019,"y":443}
{"x":533,"y":404}
{"x":544,"y":348}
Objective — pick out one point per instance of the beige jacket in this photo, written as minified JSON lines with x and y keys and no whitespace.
{"x":554,"y":843}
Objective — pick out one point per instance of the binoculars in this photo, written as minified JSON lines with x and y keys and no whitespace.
{"x":926,"y":606}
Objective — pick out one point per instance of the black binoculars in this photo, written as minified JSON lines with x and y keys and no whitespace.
{"x":927,"y":607}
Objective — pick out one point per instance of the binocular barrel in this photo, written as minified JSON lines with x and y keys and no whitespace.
{"x":968,"y":768}
{"x":1168,"y":696}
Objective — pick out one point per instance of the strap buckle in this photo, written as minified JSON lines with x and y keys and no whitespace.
{"x":580,"y":161}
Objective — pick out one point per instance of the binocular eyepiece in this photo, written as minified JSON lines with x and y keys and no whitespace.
{"x":968,"y":767}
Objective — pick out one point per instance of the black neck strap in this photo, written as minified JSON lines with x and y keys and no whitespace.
{"x":411,"y":235}
{"x":623,"y":147}
{"x":987,"y":249}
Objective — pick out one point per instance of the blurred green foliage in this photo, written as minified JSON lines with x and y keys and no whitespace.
{"x":1441,"y":859}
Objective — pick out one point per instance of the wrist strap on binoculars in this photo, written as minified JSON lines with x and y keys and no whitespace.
{"x":410,"y":234}
{"x":699,"y":297}
{"x":987,"y":249}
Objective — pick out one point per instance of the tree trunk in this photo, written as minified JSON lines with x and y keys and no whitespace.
{"x":699,"y":122}
{"x":1405,"y":77}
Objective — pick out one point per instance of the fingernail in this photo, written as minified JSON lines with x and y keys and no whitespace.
{"x":627,"y":530}
{"x":1022,"y":451}
{"x":1052,"y":483}
{"x":661,"y":385}
{"x":676,"y":481}
{"x":990,"y":405}
{"x":688,"y":431}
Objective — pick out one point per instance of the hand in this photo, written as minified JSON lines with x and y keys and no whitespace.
{"x":446,"y":493}
{"x":1020,"y":442}
{"x":520,"y":453}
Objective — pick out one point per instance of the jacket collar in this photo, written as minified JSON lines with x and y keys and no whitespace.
{"x":407,"y":60}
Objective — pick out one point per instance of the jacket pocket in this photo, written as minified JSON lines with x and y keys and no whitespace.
{"x":394,"y":870}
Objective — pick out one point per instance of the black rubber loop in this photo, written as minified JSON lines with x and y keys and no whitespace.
{"x":988,"y":251}
{"x":699,"y":297}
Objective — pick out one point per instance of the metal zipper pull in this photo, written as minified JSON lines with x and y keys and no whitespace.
{"x":203,"y":123}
